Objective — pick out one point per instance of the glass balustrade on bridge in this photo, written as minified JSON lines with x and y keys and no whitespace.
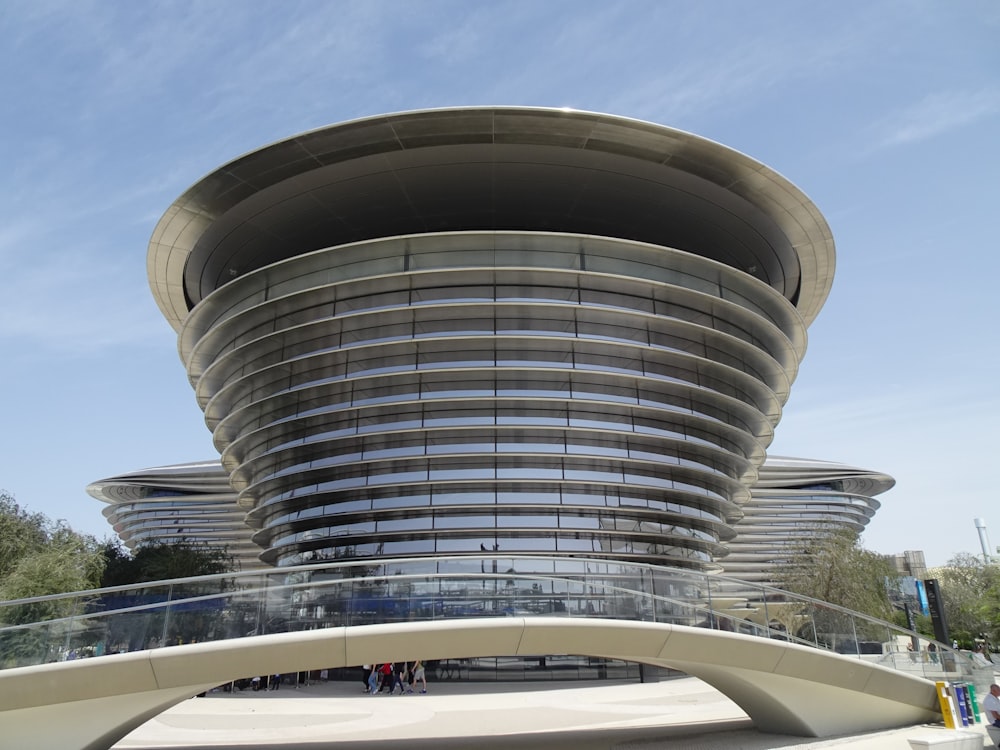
{"x":212,"y":608}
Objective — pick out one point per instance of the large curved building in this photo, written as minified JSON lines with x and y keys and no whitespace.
{"x":530,"y":330}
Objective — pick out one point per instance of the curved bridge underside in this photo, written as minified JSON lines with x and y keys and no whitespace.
{"x":785,"y":688}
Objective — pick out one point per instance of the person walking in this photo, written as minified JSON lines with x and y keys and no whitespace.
{"x":418,"y":674}
{"x":398,"y":678}
{"x":385,"y":675}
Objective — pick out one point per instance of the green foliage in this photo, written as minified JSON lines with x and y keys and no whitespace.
{"x":922,"y":623}
{"x":21,"y":532}
{"x":157,"y":561}
{"x":72,"y":564}
{"x":835,"y":568}
{"x":118,"y":565}
{"x":971,"y":592}
{"x":22,"y":647}
{"x":39,"y":557}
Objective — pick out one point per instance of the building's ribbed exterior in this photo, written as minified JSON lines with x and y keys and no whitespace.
{"x":793,"y":499}
{"x":529,"y":330}
{"x":190,"y":503}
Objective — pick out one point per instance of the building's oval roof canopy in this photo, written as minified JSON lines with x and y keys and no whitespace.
{"x":784,"y":472}
{"x":490,"y":168}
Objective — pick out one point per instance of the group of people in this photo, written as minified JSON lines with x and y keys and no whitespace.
{"x":389,"y":676}
{"x":915,"y":653}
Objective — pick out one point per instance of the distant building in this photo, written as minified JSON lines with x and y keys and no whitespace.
{"x":908,"y":592}
{"x":796,"y":498}
{"x":184,"y":503}
{"x":910,"y":563}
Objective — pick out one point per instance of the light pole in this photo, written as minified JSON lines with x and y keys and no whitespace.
{"x":984,"y":539}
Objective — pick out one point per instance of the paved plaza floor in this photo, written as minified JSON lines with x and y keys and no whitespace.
{"x":682,"y":713}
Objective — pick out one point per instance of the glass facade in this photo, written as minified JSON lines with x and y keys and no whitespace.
{"x":791,"y":499}
{"x":525,"y":409}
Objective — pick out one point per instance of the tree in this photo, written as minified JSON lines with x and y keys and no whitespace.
{"x":67,"y":562}
{"x":835,"y":568}
{"x":157,"y":561}
{"x":970,"y":589}
{"x":39,"y":557}
{"x":118,"y":565}
{"x":21,"y":532}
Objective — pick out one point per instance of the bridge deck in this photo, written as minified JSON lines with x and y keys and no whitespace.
{"x":785,"y":688}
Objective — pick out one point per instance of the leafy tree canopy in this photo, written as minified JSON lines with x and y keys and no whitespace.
{"x":970,"y":588}
{"x":39,"y":557}
{"x":157,"y":561}
{"x":835,"y":568}
{"x":21,"y":533}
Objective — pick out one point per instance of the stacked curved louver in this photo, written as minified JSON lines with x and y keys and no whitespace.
{"x":793,"y":500}
{"x":492,"y":328}
{"x":191,"y":503}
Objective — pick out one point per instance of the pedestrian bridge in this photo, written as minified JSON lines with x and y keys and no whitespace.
{"x":104,"y":662}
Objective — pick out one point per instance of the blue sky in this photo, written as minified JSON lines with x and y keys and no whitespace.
{"x":886,"y":114}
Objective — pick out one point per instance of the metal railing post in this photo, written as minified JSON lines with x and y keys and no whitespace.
{"x":767,"y":616}
{"x":711,"y":607}
{"x":166,"y":615}
{"x":69,"y":635}
{"x":652,"y":593}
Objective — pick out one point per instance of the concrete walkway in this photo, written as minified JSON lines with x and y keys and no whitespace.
{"x":684,"y":713}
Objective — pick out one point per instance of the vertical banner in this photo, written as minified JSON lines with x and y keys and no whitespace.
{"x":936,"y":604}
{"x":922,"y":598}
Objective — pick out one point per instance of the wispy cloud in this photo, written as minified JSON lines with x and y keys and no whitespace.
{"x":15,"y":237}
{"x":456,"y":44}
{"x":936,"y":114}
{"x":921,"y":417}
{"x":75,"y":300}
{"x":735,"y":68}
